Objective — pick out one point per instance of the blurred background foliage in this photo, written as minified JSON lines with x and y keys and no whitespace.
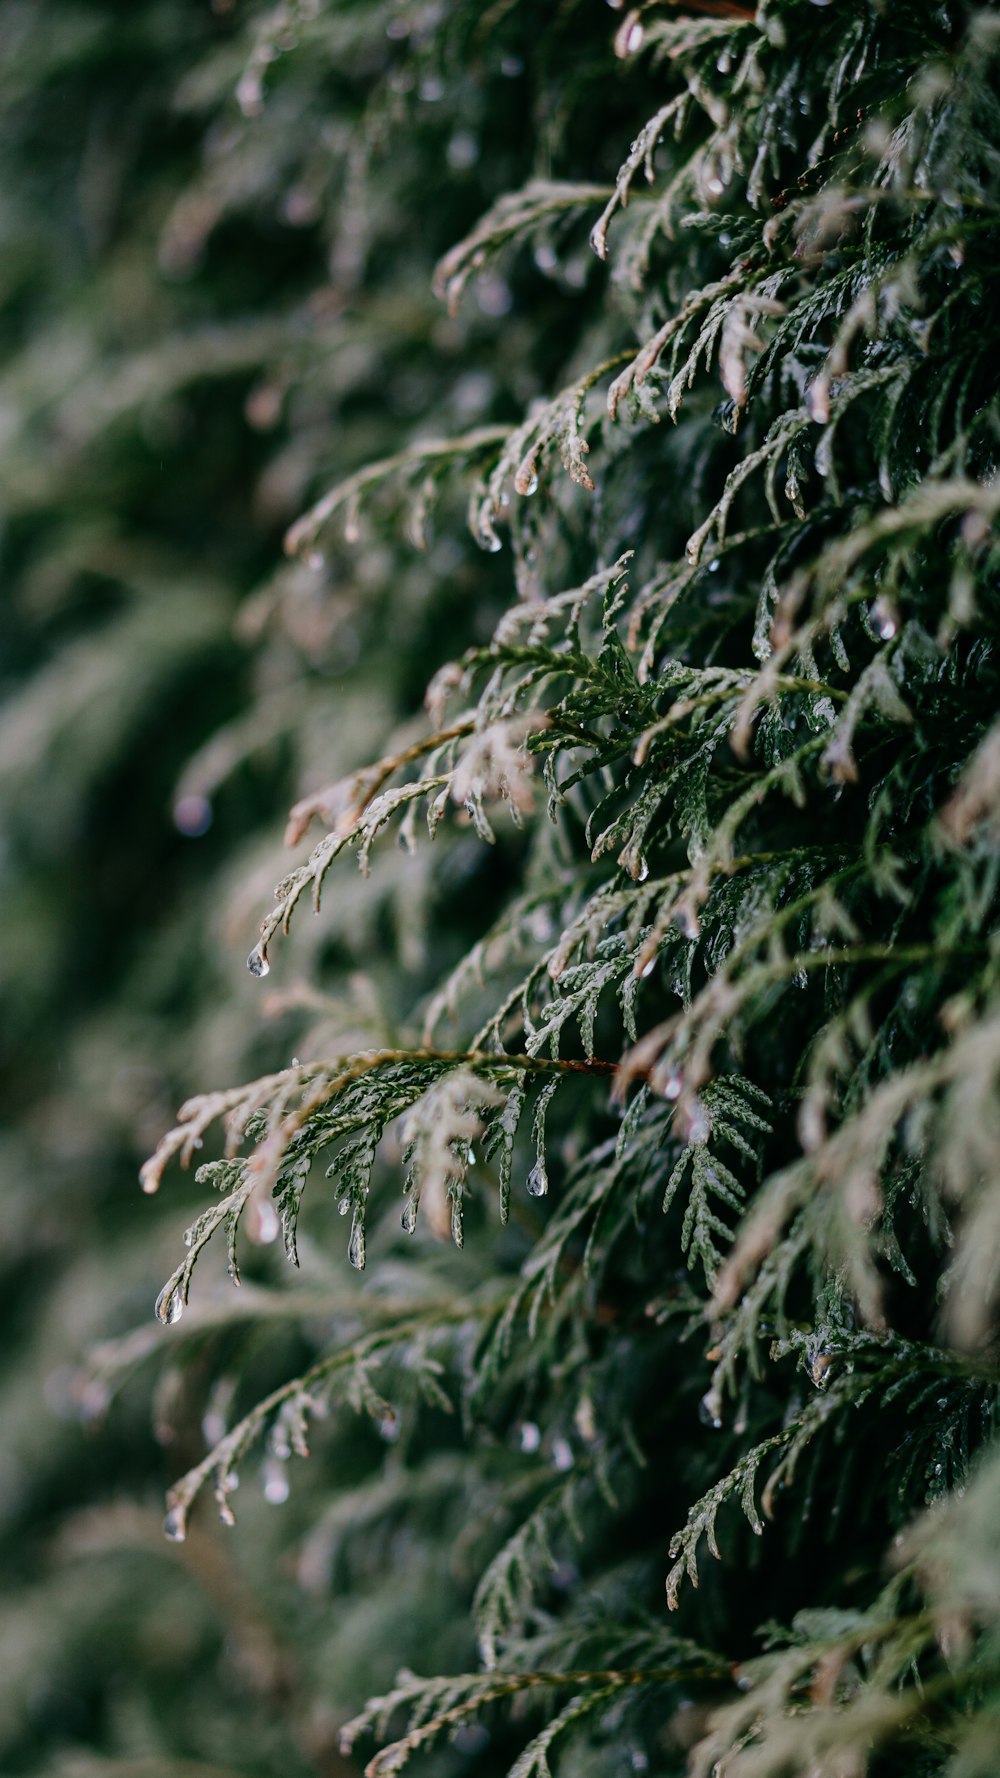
{"x":218,"y":230}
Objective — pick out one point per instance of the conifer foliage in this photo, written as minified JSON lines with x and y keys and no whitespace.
{"x":655,"y":1072}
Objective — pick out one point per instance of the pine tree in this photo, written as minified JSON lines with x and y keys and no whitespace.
{"x":653,"y":1416}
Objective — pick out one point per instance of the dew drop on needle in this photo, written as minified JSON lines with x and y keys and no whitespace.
{"x":169,"y":1305}
{"x":175,"y":1525}
{"x":537,"y":1181}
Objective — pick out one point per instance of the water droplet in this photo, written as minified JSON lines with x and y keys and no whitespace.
{"x":531,"y":1437}
{"x":276,"y":1484}
{"x":635,"y":39}
{"x":169,"y":1306}
{"x":226,"y":1513}
{"x":192,"y":816}
{"x":250,"y":94}
{"x":647,"y":968}
{"x":562,"y":1454}
{"x":462,"y":151}
{"x":818,"y":400}
{"x":884,"y":619}
{"x":531,"y":485}
{"x":213,"y":1427}
{"x":673,"y":1086}
{"x":819,"y":1360}
{"x":95,"y":1400}
{"x":408,"y":1219}
{"x":316,"y":560}
{"x":493,"y":544}
{"x":175,"y":1524}
{"x":257,"y":962}
{"x":267,"y":1227}
{"x":356,"y":1244}
{"x":710,"y":1409}
{"x":698,"y":1129}
{"x":538,"y":1181}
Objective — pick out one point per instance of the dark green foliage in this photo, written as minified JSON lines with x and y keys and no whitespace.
{"x":660,"y":1094}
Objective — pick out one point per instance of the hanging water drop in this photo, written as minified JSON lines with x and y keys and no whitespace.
{"x":257,"y":962}
{"x":408,"y":1220}
{"x":316,"y":560}
{"x":276,"y":1484}
{"x":192,"y":816}
{"x":226,"y":1513}
{"x":710,"y":1410}
{"x":884,"y":619}
{"x":537,"y":1181}
{"x":634,"y":39}
{"x":531,"y":1437}
{"x":169,"y":1306}
{"x":818,"y":400}
{"x":673,"y":1086}
{"x":531,"y":485}
{"x":648,"y":967}
{"x":175,"y":1524}
{"x":267,"y":1227}
{"x":356,"y":1244}
{"x":819,"y":1360}
{"x":698,"y":1128}
{"x":562,"y":1454}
